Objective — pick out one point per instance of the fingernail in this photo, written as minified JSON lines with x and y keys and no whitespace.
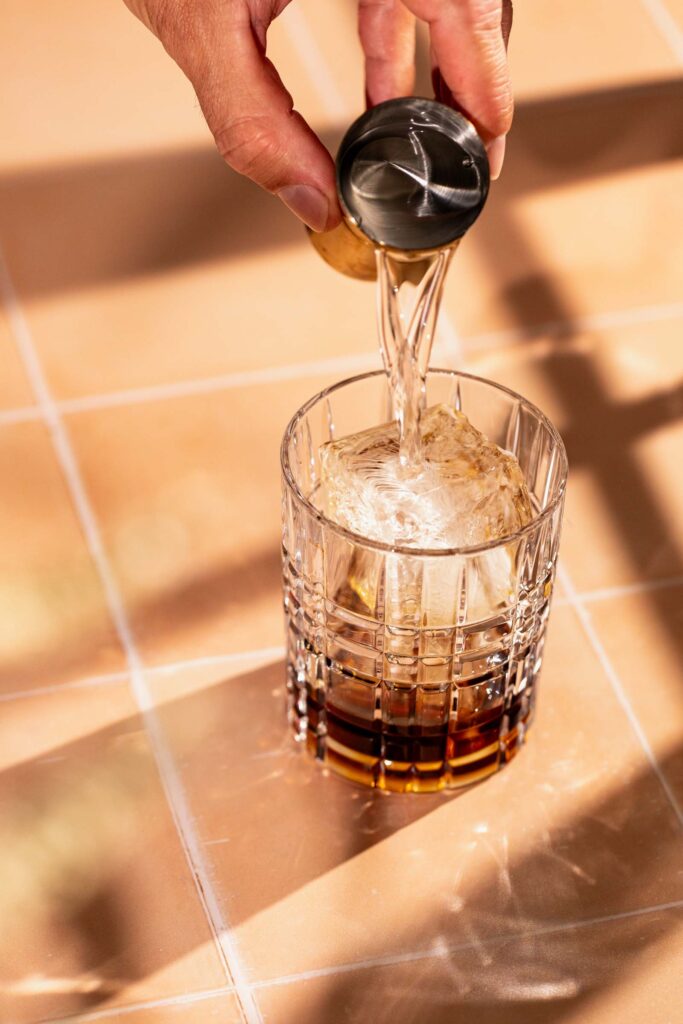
{"x":308,"y":203}
{"x":496,"y":154}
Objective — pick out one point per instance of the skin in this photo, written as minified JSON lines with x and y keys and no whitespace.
{"x":221,"y":47}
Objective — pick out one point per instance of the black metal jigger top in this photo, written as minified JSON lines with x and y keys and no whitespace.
{"x":412,"y":177}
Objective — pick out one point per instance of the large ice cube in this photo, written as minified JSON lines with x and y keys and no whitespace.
{"x":465,"y":490}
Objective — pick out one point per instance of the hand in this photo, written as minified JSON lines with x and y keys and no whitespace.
{"x":221,"y":47}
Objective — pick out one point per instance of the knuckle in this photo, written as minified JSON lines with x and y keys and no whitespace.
{"x":249,"y":145}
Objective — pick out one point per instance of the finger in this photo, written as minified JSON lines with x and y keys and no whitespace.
{"x":250,"y":112}
{"x":469,"y":50}
{"x":387,"y":35}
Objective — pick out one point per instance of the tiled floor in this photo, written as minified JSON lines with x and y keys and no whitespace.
{"x":164,"y":854}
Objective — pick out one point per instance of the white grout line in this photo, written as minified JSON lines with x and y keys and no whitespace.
{"x":384,"y":961}
{"x":49,"y":411}
{"x":168,"y":668}
{"x":589,"y":322}
{"x":172,"y":784}
{"x":629,"y":589}
{"x":28,"y":414}
{"x":151,"y":1004}
{"x":218,"y":659}
{"x":223,"y":382}
{"x":448,"y":344}
{"x":448,"y":950}
{"x":615,"y":682}
{"x":667,"y":25}
{"x":72,"y":684}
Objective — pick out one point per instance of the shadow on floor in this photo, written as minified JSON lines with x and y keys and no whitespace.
{"x":283,"y":824}
{"x":170,"y":622}
{"x":71,"y":227}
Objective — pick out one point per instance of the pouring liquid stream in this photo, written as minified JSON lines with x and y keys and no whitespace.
{"x":406,"y":335}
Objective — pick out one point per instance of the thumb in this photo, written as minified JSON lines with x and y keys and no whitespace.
{"x":247,"y":107}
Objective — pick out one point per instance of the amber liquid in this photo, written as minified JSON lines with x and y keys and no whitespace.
{"x":408,"y":753}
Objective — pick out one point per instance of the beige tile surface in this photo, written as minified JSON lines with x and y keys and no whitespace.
{"x":98,"y":903}
{"x":139,"y":261}
{"x":187,"y":493}
{"x":151,"y":262}
{"x":222,"y":294}
{"x":14,"y":389}
{"x":55,"y":624}
{"x":622,"y":971}
{"x":553,"y":50}
{"x":616,"y":395}
{"x":595,"y":135}
{"x":339,"y":875}
{"x":186,"y":1011}
{"x":643,"y":637}
{"x":555,"y":241}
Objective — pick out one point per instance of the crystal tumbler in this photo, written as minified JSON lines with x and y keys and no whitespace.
{"x":409,"y":669}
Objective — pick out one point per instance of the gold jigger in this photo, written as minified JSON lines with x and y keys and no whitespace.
{"x":352,"y":253}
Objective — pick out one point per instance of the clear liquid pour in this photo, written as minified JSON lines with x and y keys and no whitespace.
{"x":406,"y":335}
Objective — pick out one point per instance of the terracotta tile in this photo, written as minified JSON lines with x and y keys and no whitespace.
{"x":622,"y":46}
{"x":552,"y":51}
{"x":211,"y":306}
{"x":56,"y":626}
{"x":593,"y":136}
{"x":625,"y":970}
{"x":333,"y":30}
{"x":614,"y":395}
{"x":675,"y":8}
{"x":152,"y":263}
{"x":553,"y":242}
{"x":105,"y":85}
{"x":643,"y":637}
{"x":338,"y":874}
{"x":99,"y":905}
{"x":187,"y":493}
{"x":14,"y":389}
{"x":108,"y":88}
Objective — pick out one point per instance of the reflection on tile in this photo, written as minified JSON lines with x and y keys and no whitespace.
{"x":643,"y":637}
{"x":98,"y":905}
{"x":187,"y":493}
{"x":339,"y":874}
{"x":625,"y":971}
{"x":55,"y":625}
{"x":14,"y":389}
{"x":617,"y":399}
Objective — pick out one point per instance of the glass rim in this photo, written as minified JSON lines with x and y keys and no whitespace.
{"x":398,"y":549}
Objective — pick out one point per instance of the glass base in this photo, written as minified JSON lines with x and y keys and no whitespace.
{"x":411,"y":738}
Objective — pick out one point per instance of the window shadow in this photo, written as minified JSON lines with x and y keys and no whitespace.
{"x":508,"y":911}
{"x":74,"y":226}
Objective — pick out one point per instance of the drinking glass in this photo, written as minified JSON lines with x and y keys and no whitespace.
{"x":409,"y":669}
